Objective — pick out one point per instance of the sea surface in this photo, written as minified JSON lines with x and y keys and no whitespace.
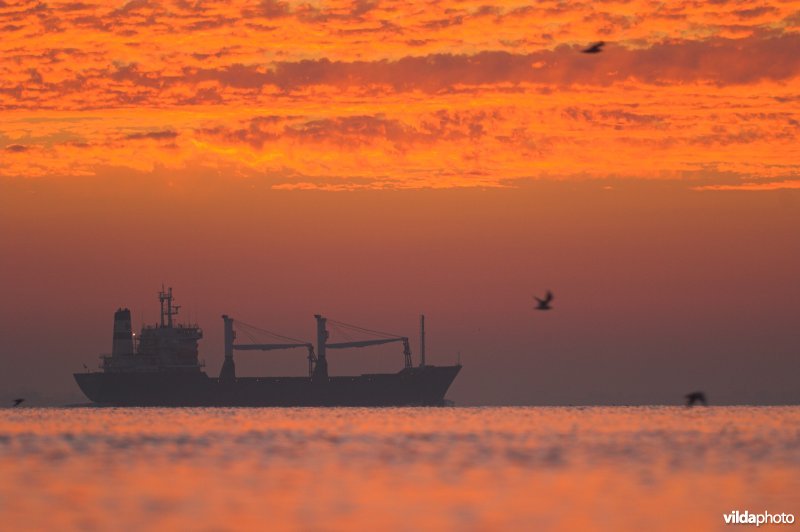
{"x":570,"y":468}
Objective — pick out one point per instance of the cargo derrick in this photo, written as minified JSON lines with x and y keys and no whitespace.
{"x":228,"y":371}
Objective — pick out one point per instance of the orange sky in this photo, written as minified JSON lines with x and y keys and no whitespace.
{"x":383,"y":94}
{"x":374,"y":160}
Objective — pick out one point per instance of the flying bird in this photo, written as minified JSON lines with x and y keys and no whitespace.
{"x":544,"y":304}
{"x":596,"y":48}
{"x":18,"y":401}
{"x":696,"y":397}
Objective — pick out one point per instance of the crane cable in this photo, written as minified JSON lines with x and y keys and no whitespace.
{"x":270,"y":333}
{"x":363,"y":329}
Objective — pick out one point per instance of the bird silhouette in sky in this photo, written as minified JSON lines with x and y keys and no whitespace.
{"x":544,"y":304}
{"x":18,"y":401}
{"x":596,"y":48}
{"x":696,"y":397}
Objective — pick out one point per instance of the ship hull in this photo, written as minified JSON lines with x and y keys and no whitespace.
{"x":424,"y":386}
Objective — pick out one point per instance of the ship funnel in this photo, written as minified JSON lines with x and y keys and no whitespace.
{"x":123,"y":337}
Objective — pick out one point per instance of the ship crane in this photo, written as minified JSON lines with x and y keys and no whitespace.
{"x":321,"y":367}
{"x":229,"y":369}
{"x":367,"y":343}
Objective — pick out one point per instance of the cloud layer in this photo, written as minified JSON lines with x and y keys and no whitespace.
{"x":388,"y":95}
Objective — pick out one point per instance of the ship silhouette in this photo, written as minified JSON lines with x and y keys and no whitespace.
{"x":161,"y":367}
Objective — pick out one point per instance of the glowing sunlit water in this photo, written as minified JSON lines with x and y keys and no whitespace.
{"x":358,"y":469}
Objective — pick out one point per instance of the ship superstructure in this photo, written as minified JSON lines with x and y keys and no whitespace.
{"x":163,"y":347}
{"x":161,"y":367}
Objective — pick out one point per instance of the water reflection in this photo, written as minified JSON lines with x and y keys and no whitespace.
{"x":439,"y":468}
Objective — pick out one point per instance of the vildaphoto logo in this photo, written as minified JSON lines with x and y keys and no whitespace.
{"x":764,"y":518}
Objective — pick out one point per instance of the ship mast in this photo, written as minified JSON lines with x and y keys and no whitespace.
{"x":422,"y":340}
{"x":228,"y":371}
{"x":168,"y":310}
{"x":321,"y":369}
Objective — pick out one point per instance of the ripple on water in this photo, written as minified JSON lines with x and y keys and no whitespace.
{"x":395,"y":468}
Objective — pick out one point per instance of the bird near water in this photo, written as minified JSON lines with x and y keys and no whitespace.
{"x":595,"y":48}
{"x":696,"y":397}
{"x":18,"y":401}
{"x":544,"y":304}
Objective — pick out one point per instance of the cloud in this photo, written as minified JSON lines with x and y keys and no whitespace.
{"x":358,"y":45}
{"x":270,"y":9}
{"x":753,"y":186}
{"x":361,"y":7}
{"x":387,"y":94}
{"x":75,"y":6}
{"x":350,"y":132}
{"x":613,"y":117}
{"x":16,"y":148}
{"x":718,"y":61}
{"x":153,"y":135}
{"x":755,"y":11}
{"x":211,"y":23}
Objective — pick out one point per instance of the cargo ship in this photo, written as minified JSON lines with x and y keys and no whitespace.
{"x":161,"y":367}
